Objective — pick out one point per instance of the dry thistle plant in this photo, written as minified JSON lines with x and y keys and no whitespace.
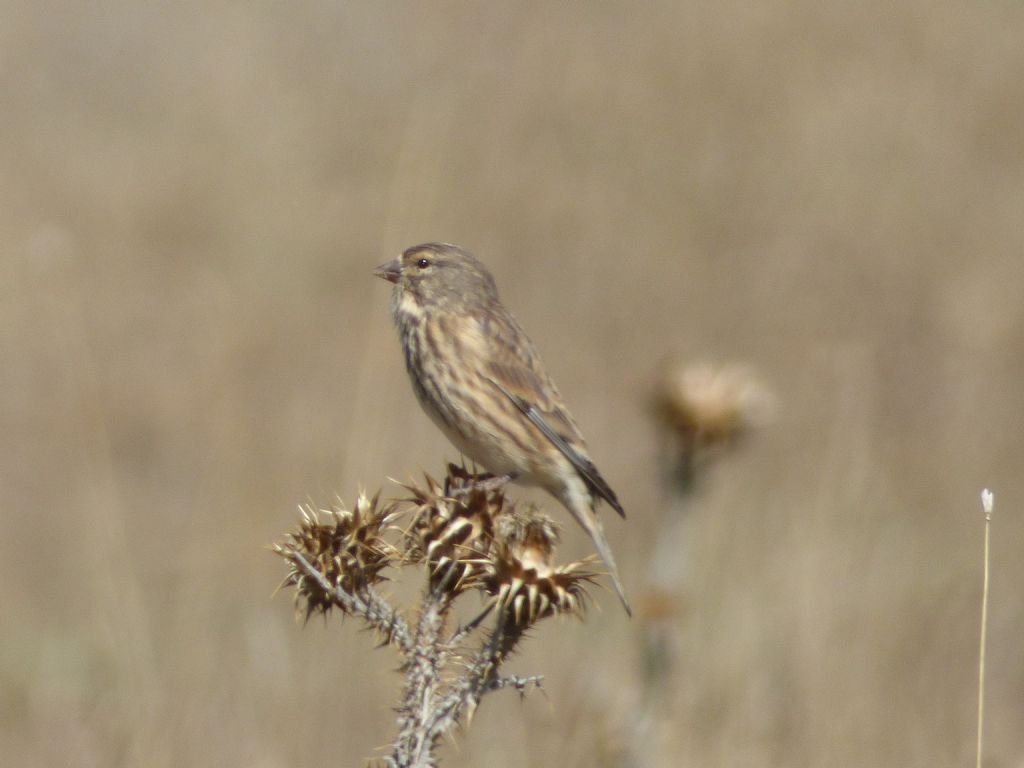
{"x":707,"y":408}
{"x":463,"y":536}
{"x":704,"y":411}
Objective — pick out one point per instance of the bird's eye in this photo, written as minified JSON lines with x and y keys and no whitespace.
{"x":423,"y":263}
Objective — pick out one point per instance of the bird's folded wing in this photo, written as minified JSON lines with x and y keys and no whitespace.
{"x":588,"y":471}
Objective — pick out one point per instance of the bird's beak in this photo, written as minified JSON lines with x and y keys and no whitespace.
{"x":391,"y":271}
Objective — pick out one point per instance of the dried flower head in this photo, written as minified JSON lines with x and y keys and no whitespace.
{"x":710,"y":404}
{"x":519,"y":575}
{"x":346,"y":548}
{"x":452,"y":527}
{"x":468,"y":536}
{"x":530,"y":536}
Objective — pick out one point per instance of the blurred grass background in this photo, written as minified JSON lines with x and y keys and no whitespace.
{"x":193,"y":198}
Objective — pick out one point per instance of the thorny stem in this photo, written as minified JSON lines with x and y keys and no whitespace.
{"x":427,"y":715}
{"x":479,"y":679}
{"x":374,"y":609}
{"x":519,"y":683}
{"x":415,"y":744}
{"x":461,"y":634}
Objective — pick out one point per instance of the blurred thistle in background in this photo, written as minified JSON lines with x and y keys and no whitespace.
{"x":704,"y":408}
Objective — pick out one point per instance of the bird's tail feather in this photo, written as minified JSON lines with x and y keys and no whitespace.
{"x":587,"y":518}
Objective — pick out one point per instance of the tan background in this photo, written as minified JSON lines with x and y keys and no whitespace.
{"x":191,"y":343}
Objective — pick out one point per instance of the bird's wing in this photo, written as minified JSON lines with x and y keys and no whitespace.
{"x":587,"y":469}
{"x":520,"y":376}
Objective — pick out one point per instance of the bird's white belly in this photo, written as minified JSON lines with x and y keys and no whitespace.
{"x":484,"y":450}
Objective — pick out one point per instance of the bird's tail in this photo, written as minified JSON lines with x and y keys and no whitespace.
{"x":587,"y":518}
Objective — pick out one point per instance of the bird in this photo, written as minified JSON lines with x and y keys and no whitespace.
{"x":480,"y":379}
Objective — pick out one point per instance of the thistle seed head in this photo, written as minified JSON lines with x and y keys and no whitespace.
{"x":708,"y":405}
{"x":519,"y":575}
{"x":451,"y":528}
{"x":346,"y":547}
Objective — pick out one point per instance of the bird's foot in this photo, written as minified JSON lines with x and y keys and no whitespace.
{"x":489,"y":483}
{"x":460,"y":483}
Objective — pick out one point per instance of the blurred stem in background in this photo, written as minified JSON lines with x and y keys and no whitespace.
{"x":704,"y":412}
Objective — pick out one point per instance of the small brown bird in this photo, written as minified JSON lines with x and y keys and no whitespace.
{"x":480,"y":379}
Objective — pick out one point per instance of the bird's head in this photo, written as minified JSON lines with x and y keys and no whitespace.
{"x":439,"y":275}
